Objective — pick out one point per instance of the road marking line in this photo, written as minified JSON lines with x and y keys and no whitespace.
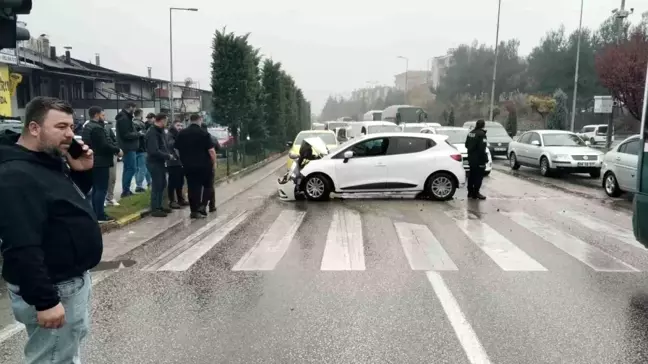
{"x":590,"y":255}
{"x":462,"y":328}
{"x":604,"y":227}
{"x":184,"y":244}
{"x":422,"y":249}
{"x":190,"y":256}
{"x":344,"y":248}
{"x":501,"y":250}
{"x":273,"y":244}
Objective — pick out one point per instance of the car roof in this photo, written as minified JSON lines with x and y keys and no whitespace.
{"x":399,"y":134}
{"x":550,"y":131}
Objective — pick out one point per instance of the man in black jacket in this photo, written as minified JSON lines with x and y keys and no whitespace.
{"x":128,"y":138}
{"x":158,"y":152}
{"x":95,"y":136}
{"x":477,"y":159}
{"x":198,"y":157}
{"x":49,"y":234}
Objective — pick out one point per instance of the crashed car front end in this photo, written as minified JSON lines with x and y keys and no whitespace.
{"x":288,"y":185}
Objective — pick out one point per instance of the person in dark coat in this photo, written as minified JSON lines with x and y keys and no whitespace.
{"x":96,"y":137}
{"x":212,"y":196}
{"x":158,"y":154}
{"x":477,"y":158}
{"x":49,"y":235}
{"x":128,"y":138}
{"x":176,"y":172}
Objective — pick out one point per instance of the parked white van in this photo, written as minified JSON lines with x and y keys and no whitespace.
{"x":372,"y":115}
{"x":595,"y":133}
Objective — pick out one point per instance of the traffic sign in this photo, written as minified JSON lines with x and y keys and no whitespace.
{"x":603,"y":104}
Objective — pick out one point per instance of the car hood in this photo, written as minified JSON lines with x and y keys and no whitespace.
{"x":573,"y":150}
{"x":498,"y":139}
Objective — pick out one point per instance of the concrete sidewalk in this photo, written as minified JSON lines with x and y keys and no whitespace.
{"x":121,"y":241}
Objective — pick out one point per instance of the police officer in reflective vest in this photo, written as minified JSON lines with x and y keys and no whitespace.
{"x":477,"y":159}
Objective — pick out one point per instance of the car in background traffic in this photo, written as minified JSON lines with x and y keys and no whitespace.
{"x":555,"y":151}
{"x":416,"y":127}
{"x":457,"y":138}
{"x":328,"y":137}
{"x":620,"y":167}
{"x":224,"y":138}
{"x":497,"y":136}
{"x":387,"y":162}
{"x":595,"y":133}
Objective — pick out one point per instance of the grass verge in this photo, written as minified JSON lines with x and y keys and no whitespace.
{"x":130,"y":205}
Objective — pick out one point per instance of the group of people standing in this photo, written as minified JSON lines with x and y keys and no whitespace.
{"x":163,"y":157}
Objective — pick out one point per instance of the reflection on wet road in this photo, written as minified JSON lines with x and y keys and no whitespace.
{"x":531,"y":275}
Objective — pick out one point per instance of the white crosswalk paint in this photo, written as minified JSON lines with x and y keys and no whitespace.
{"x":273,"y":244}
{"x":604,"y":227}
{"x":184,"y":244}
{"x":462,"y":328}
{"x":190,"y":256}
{"x":590,"y":255}
{"x":502,"y":251}
{"x":422,"y":249}
{"x":344,"y":248}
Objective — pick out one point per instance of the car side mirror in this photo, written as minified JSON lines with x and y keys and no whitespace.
{"x":293,"y":156}
{"x":536,"y":143}
{"x":348,"y":155}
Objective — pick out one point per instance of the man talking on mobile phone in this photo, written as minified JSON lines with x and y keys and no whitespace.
{"x":49,"y":235}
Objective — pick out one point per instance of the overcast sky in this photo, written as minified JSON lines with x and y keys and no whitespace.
{"x":331,"y":46}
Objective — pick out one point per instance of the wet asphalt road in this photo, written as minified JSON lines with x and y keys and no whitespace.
{"x":532,"y":275}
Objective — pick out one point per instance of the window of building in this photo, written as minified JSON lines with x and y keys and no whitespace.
{"x":124,"y":88}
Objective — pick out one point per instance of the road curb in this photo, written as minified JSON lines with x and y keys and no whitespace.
{"x":134,"y":217}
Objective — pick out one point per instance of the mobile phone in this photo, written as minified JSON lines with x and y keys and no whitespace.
{"x":75,"y":150}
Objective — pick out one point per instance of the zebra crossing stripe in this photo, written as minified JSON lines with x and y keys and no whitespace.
{"x":589,"y":255}
{"x":273,"y":244}
{"x":190,"y":256}
{"x":422,"y":249}
{"x":344,"y":248}
{"x":604,"y":227}
{"x":502,"y":251}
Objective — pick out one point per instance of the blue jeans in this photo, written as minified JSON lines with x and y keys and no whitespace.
{"x":142,"y":172}
{"x":159,"y":174}
{"x":130,"y":167}
{"x":100,"y":178}
{"x":56,"y":346}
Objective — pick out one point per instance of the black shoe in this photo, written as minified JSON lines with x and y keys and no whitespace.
{"x":212,"y":209}
{"x":106,"y":219}
{"x":140,"y":189}
{"x":183,"y":203}
{"x":203,"y":211}
{"x":159,"y":213}
{"x":480,"y":196}
{"x":196,"y":215}
{"x":175,"y":206}
{"x":126,"y":194}
{"x":167,"y":210}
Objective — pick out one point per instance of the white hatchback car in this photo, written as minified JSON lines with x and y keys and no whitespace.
{"x":387,"y":162}
{"x":620,"y":167}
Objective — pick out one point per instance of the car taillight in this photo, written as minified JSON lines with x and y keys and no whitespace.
{"x":456,"y":157}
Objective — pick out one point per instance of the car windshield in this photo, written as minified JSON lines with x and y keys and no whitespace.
{"x":562,"y":140}
{"x":383,"y":128}
{"x":455,"y":136}
{"x":496,"y":131}
{"x":327,"y":138}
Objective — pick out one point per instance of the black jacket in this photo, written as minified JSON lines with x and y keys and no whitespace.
{"x":127,"y":136}
{"x":48,"y":230}
{"x":141,"y":127}
{"x":104,"y":149}
{"x":157,"y":146}
{"x":476,"y":146}
{"x":171,"y":138}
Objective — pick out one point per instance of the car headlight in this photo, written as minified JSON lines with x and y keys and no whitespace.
{"x":563,"y":157}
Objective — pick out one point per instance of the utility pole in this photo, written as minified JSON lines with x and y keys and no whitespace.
{"x":621,"y":14}
{"x":171,"y":103}
{"x":492,"y":100}
{"x":580,"y":27}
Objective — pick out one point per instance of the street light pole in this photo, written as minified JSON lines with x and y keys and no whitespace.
{"x":492,"y":100}
{"x":171,"y":99}
{"x":578,"y":46}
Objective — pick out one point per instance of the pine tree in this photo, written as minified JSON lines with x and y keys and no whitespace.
{"x":451,"y":118}
{"x":274,"y":105}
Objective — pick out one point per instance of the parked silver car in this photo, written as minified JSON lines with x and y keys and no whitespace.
{"x":555,"y":151}
{"x":620,"y":167}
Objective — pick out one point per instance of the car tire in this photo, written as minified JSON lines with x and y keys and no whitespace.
{"x":513,"y":163}
{"x":592,"y":141}
{"x":611,"y":186}
{"x":441,"y":186}
{"x":317,"y":187}
{"x":545,"y":169}
{"x":595,"y":174}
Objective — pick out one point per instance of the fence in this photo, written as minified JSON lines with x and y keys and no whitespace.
{"x":246,"y":153}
